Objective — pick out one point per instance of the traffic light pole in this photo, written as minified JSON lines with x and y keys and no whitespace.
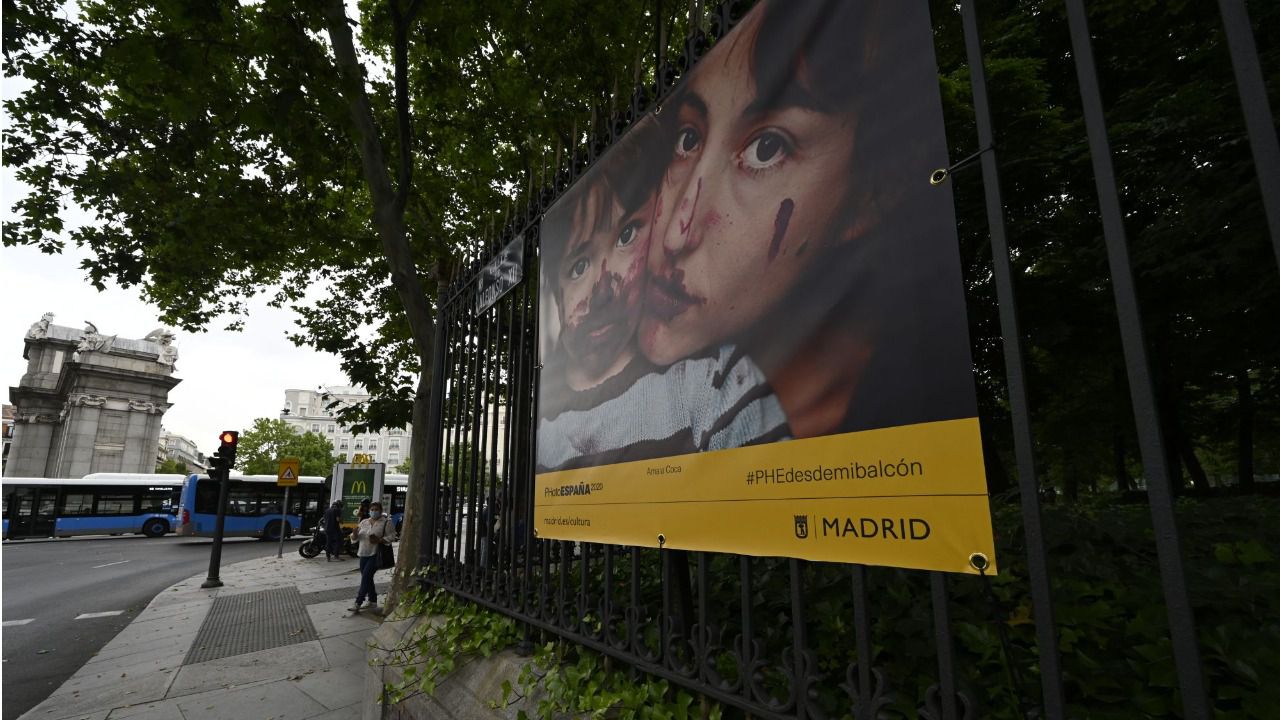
{"x":215,"y":555}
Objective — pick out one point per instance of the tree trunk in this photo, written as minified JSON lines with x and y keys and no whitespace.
{"x":388,"y":220}
{"x":1071,"y":476}
{"x":1123,"y":482}
{"x":1180,"y":446}
{"x":1244,"y":403}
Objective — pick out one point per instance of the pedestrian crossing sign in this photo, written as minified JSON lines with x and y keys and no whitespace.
{"x":287,"y":476}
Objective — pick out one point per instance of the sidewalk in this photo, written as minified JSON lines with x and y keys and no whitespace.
{"x":276,"y":641}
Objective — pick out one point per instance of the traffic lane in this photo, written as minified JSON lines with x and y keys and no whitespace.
{"x":53,"y":583}
{"x":64,"y":567}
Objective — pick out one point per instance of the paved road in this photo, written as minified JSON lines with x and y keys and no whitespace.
{"x":54,"y":582}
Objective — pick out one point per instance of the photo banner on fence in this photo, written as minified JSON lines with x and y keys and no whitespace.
{"x":753,"y":330}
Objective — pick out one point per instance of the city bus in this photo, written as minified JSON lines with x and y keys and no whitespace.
{"x":97,"y":504}
{"x":394,"y":492}
{"x":253,"y":506}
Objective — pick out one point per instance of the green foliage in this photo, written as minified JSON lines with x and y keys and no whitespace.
{"x":459,"y":631}
{"x":262,"y":446}
{"x":404,"y":467}
{"x":571,"y":680}
{"x":566,"y":680}
{"x":171,"y":466}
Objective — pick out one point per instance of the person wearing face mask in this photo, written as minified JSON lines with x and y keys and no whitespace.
{"x":373,"y":531}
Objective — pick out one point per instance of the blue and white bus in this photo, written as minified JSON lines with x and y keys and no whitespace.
{"x":253,"y":506}
{"x":394,"y":492}
{"x":97,"y":504}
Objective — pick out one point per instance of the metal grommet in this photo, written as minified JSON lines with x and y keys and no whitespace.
{"x":939,"y":176}
{"x":535,"y":532}
{"x":657,"y":109}
{"x":662,"y":539}
{"x":979,"y":562}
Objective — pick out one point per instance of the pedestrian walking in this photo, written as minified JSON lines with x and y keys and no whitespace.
{"x":333,"y":532}
{"x":372,"y":533}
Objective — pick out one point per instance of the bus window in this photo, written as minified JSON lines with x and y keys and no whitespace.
{"x":156,"y":500}
{"x":78,"y":503}
{"x":115,"y":504}
{"x":241,"y":501}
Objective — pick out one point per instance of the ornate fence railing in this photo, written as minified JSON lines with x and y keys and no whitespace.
{"x":785,"y":638}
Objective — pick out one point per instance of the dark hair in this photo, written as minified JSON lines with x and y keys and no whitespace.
{"x":857,"y":57}
{"x":874,"y":60}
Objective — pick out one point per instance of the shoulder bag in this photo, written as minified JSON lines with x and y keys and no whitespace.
{"x":386,"y":558}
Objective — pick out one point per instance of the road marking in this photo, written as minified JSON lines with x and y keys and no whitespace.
{"x":108,"y":613}
{"x":121,"y":562}
{"x":7,"y":623}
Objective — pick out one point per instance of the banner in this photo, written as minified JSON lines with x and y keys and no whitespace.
{"x":753,"y":331}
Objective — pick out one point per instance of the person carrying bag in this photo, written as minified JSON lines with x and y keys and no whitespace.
{"x":375,"y":535}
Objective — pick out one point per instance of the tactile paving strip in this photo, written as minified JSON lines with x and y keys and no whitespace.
{"x":340,"y":594}
{"x":239,"y":624}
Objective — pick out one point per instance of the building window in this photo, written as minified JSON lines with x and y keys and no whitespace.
{"x":342,"y":444}
{"x":396,"y":431}
{"x":315,"y":427}
{"x":373,"y":444}
{"x":359,"y":445}
{"x":331,"y":429}
{"x":394,"y":458}
{"x":393,"y":444}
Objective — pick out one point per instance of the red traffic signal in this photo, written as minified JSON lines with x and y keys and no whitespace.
{"x":227,"y":451}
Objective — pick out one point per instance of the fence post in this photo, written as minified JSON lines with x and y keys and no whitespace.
{"x":1258,"y":120}
{"x":1015,"y":373}
{"x":1182,"y":626}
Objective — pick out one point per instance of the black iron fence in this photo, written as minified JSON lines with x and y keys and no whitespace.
{"x":787,"y":638}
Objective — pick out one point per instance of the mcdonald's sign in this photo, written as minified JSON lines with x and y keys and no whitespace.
{"x":354,"y":483}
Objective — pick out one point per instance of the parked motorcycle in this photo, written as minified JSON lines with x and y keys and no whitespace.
{"x":313,"y":546}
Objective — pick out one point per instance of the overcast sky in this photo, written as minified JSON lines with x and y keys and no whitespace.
{"x":228,"y":378}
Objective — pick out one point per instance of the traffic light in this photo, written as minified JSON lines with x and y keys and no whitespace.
{"x":227,"y":450}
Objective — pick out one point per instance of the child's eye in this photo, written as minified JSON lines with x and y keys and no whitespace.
{"x":687,"y":141}
{"x":767,"y":150}
{"x":628,"y":234}
{"x":579,"y":268}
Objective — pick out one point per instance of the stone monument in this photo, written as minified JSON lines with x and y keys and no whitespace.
{"x":89,"y":402}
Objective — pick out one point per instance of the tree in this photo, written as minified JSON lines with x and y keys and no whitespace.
{"x":404,"y":467}
{"x":231,"y":132}
{"x":171,"y":466}
{"x":262,"y":446}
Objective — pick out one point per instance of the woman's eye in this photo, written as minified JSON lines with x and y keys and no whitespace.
{"x":579,"y":268}
{"x":687,"y":141}
{"x":628,"y":234}
{"x":765,"y":151}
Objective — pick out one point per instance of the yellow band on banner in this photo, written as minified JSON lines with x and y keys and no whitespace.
{"x":913,"y":496}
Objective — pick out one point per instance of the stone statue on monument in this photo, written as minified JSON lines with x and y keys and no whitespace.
{"x":163,"y":337}
{"x":40,"y":329}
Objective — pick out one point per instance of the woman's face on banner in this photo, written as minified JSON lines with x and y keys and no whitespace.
{"x":750,"y":200}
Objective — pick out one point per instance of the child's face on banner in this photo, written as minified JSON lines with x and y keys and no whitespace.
{"x":602,"y":278}
{"x":751,"y":199}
